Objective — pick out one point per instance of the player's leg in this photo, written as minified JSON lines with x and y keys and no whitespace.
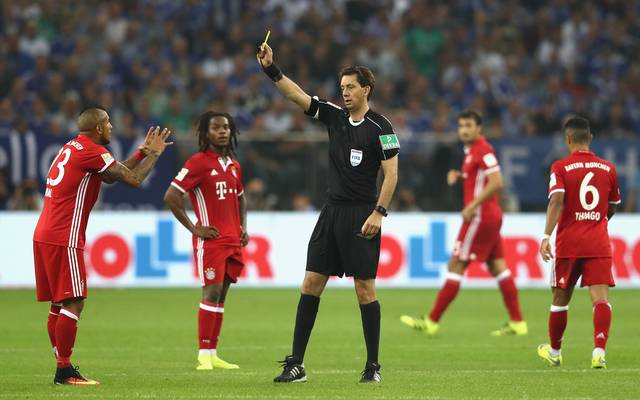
{"x":446,"y":295}
{"x":516,"y":326}
{"x":52,"y":320}
{"x":208,"y":312}
{"x":601,"y":323}
{"x":216,"y":361}
{"x":565,"y":273}
{"x":70,"y":285}
{"x":42,"y":269}
{"x":370,"y":314}
{"x":458,"y":263}
{"x":66,"y":329}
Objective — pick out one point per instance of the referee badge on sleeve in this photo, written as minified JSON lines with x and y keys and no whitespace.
{"x":389,"y":142}
{"x":356,"y":157}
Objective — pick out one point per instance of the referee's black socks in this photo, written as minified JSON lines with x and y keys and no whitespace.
{"x":371,"y":327}
{"x":305,"y":318}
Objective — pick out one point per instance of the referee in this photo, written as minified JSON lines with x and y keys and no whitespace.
{"x":346,"y":238}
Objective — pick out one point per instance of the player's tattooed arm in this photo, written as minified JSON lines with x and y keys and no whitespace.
{"x":118,"y":172}
{"x":244,"y":236}
{"x":286,"y":86}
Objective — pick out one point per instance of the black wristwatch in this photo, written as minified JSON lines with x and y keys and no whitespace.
{"x":381,"y":210}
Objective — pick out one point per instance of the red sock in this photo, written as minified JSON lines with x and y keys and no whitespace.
{"x":509,"y":295}
{"x":206,"y":319}
{"x":557,"y":325}
{"x":601,"y":323}
{"x":66,"y":328}
{"x":446,"y":295}
{"x":217,"y":325}
{"x":51,"y":323}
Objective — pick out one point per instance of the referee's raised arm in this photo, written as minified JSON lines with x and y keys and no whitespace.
{"x":285,"y":85}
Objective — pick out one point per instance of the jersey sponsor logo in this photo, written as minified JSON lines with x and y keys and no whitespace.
{"x":221,"y":190}
{"x":214,"y":172}
{"x":106,"y":157}
{"x":356,"y":157}
{"x":389,"y":142}
{"x":490,"y":160}
{"x":183,"y":172}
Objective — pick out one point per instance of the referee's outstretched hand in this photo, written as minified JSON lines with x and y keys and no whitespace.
{"x":265,"y":55}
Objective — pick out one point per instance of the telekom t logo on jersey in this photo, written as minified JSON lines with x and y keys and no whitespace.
{"x":221,"y":189}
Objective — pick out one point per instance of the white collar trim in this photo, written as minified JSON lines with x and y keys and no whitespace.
{"x":355,"y":123}
{"x":224,"y":163}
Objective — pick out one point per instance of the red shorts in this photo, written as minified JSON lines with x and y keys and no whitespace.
{"x":213,"y":264}
{"x":60,"y":272}
{"x":479,"y":241}
{"x":594,"y":271}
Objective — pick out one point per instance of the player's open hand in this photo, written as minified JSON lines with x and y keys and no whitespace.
{"x":206,"y":232}
{"x":244,"y":238}
{"x":372,"y":225}
{"x":265,"y":55}
{"x":452,"y":177}
{"x":144,"y":147}
{"x":155,"y":141}
{"x":545,"y":250}
{"x":469,"y":212}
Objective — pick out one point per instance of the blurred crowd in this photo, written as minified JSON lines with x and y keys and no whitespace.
{"x":523,"y":64}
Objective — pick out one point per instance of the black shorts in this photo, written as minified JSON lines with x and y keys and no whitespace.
{"x":335,"y":248}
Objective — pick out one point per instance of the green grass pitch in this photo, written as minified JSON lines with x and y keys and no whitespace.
{"x":141,"y":344}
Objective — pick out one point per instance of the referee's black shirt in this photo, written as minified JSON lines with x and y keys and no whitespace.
{"x":356,"y":149}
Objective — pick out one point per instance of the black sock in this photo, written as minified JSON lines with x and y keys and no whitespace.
{"x":371,"y":327}
{"x":305,"y":318}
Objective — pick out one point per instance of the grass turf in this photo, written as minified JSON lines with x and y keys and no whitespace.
{"x":141,"y":344}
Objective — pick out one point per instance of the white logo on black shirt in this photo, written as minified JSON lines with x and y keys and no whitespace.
{"x":356,"y":157}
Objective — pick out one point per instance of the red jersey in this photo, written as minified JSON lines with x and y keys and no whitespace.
{"x":73,"y":185}
{"x":480,"y":160}
{"x":589,"y":184}
{"x":214,"y":185}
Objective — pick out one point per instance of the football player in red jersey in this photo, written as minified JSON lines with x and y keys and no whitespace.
{"x":479,"y":239}
{"x":213,"y":179}
{"x":583,"y":195}
{"x":73,"y":185}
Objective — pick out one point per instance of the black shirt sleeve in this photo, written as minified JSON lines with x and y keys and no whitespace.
{"x":387,"y":139}
{"x":323,"y":110}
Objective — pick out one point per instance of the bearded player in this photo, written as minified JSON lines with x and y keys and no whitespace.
{"x":479,"y":239}
{"x":213,"y":179}
{"x":73,"y":185}
{"x":583,"y":195}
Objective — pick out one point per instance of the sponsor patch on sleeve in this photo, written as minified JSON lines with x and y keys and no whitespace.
{"x":389,"y":142}
{"x":552,"y":180}
{"x":107,"y":158}
{"x":490,"y":160}
{"x":183,"y":172}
